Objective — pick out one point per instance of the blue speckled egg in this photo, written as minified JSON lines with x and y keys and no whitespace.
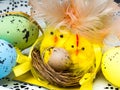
{"x":19,"y":29}
{"x":8,"y":57}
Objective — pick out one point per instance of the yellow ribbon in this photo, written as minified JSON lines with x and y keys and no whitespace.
{"x":87,"y":80}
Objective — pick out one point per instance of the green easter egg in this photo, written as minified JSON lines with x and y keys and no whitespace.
{"x":19,"y":29}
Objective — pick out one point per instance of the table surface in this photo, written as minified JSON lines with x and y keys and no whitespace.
{"x":7,"y":84}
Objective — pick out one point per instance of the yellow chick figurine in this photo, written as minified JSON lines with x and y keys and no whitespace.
{"x":81,"y":52}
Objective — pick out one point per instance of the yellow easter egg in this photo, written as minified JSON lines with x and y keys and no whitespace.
{"x":111,"y":65}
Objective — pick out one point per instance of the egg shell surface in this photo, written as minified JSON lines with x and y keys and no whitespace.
{"x":111,"y":65}
{"x":18,"y":30}
{"x":7,"y":58}
{"x":59,"y":59}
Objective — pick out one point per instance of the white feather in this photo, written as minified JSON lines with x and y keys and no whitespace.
{"x":53,"y":11}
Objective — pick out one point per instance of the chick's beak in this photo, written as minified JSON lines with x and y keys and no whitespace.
{"x":55,"y":39}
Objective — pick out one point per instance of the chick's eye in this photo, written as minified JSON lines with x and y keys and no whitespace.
{"x":82,"y":48}
{"x":61,"y":36}
{"x":51,"y":33}
{"x":72,"y":46}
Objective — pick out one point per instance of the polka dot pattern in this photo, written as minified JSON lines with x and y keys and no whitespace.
{"x":14,"y":5}
{"x":15,"y":85}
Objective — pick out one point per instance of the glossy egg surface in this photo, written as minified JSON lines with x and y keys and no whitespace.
{"x":7,"y":58}
{"x":111,"y":65}
{"x":18,"y":29}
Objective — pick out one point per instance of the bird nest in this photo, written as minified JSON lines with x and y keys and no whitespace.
{"x":62,"y":79}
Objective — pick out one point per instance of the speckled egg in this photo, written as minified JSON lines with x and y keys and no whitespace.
{"x":111,"y":65}
{"x":57,"y":58}
{"x":19,"y":29}
{"x":7,"y":58}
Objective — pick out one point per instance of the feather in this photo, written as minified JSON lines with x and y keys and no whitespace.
{"x":53,"y":11}
{"x":95,"y":17}
{"x":110,"y":41}
{"x":115,"y":29}
{"x":113,"y":39}
{"x":89,"y":18}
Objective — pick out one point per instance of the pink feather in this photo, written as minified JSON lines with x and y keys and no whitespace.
{"x":89,"y":18}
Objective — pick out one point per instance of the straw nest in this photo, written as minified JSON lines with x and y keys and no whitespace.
{"x":62,"y":79}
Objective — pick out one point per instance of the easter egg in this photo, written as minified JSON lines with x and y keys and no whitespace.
{"x":111,"y":65}
{"x":58,"y":58}
{"x":7,"y":58}
{"x":19,"y":29}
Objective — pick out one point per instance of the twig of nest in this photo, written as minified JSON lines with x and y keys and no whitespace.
{"x":61,"y":79}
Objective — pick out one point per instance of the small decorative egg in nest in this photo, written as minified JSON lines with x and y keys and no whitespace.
{"x":59,"y":58}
